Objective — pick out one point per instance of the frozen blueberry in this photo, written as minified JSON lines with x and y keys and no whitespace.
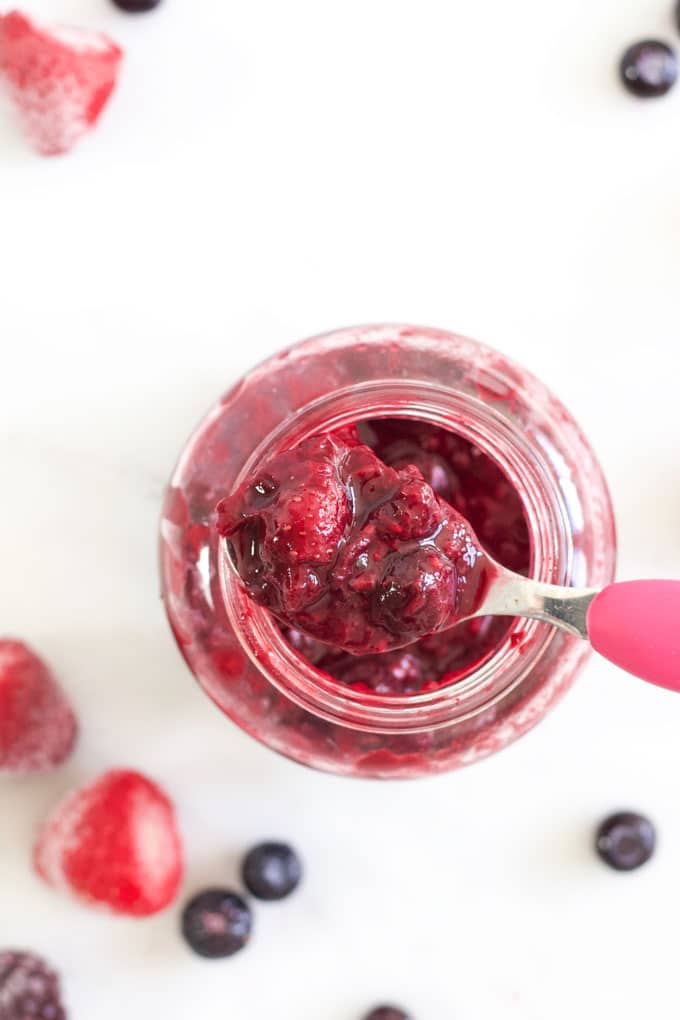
{"x":29,"y":989}
{"x":625,"y":840}
{"x":387,"y":1013}
{"x":649,"y":68}
{"x":136,"y":6}
{"x":271,"y":871}
{"x":216,"y":923}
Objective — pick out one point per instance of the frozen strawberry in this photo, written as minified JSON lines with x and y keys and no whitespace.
{"x":114,"y":843}
{"x":37,"y":726}
{"x":60,"y":79}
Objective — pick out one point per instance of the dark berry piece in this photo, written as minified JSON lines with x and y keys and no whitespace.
{"x":136,"y":6}
{"x":387,"y":1013}
{"x":625,"y":840}
{"x":216,"y":923}
{"x":28,"y":988}
{"x":649,"y":68}
{"x":271,"y":871}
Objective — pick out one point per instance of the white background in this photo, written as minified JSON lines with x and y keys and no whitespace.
{"x":268,"y":170}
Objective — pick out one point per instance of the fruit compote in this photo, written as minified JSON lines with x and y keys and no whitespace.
{"x":453,"y":428}
{"x":358,"y":541}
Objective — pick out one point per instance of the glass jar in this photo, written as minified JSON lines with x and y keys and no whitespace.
{"x":235,"y":649}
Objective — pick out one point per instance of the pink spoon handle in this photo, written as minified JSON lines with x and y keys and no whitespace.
{"x":636,"y":624}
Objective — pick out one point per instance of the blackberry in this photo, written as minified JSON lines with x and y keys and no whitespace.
{"x":29,"y":988}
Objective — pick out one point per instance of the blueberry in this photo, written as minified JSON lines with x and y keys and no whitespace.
{"x":387,"y":1013}
{"x":136,"y":6}
{"x":271,"y":871}
{"x":216,"y":923}
{"x":625,"y":840}
{"x":649,"y":68}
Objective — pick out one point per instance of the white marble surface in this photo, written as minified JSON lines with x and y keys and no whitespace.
{"x":269,"y":170}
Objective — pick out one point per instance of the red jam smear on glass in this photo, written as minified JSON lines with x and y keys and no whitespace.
{"x":358,"y":542}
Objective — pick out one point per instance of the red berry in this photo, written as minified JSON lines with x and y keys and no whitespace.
{"x":115,"y":843}
{"x":37,"y":726}
{"x":60,"y":79}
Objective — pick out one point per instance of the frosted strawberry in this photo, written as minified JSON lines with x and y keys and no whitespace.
{"x":114,"y":843}
{"x":37,"y":726}
{"x":60,"y":79}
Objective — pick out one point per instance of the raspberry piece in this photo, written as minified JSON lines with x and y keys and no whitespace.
{"x":37,"y":726}
{"x":59,"y":79}
{"x":115,"y":843}
{"x":289,"y":524}
{"x":29,"y":989}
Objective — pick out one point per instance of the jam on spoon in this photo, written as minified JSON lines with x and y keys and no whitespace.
{"x":350,"y":551}
{"x":368,"y":558}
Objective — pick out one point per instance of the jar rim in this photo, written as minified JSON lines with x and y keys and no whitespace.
{"x":506,"y":443}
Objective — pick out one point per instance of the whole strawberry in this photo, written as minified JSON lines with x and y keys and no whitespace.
{"x":37,"y":726}
{"x":59,"y":79}
{"x":114,"y":843}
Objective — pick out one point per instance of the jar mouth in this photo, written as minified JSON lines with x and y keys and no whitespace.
{"x":525,"y":642}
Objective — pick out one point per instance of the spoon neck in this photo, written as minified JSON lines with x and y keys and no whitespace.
{"x":513,"y":595}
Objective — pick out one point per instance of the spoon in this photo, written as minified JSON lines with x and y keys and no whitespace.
{"x":634,"y":624}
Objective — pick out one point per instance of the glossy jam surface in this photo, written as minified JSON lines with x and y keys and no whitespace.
{"x":475,"y":486}
{"x":359,"y":543}
{"x":352,"y":552}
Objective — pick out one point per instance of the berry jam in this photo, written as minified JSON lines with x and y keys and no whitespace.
{"x":364,"y":553}
{"x":498,"y":449}
{"x":359,"y":555}
{"x":477,"y":489}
